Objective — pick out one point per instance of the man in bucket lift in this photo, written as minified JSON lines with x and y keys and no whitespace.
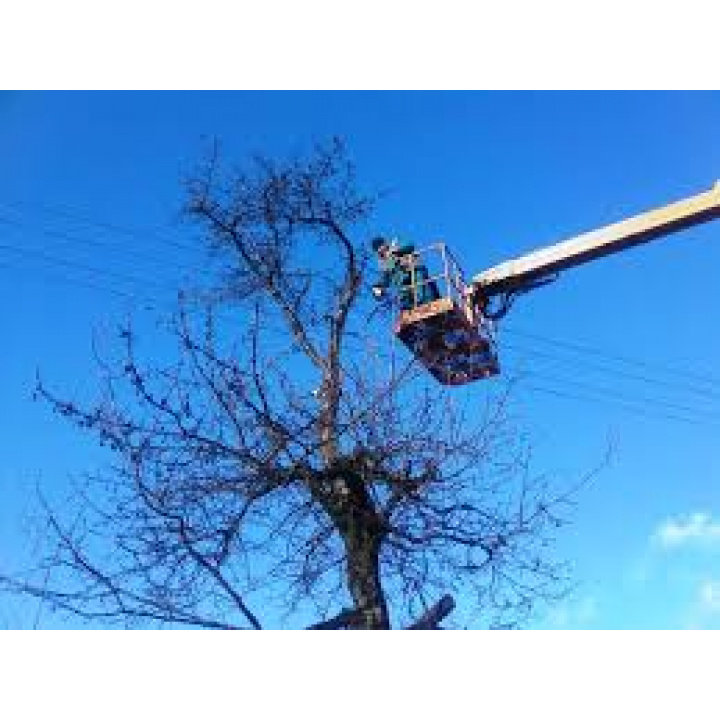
{"x":397,"y":263}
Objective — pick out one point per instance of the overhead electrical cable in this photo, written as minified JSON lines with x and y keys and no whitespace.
{"x":628,"y":407}
{"x":582,"y":364}
{"x":595,"y":393}
{"x":71,"y":239}
{"x":89,"y":284}
{"x":587,"y":349}
{"x":645,"y":400}
{"x":52,"y":259}
{"x":73,"y":214}
{"x":609,"y":361}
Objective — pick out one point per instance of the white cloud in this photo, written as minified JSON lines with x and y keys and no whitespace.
{"x":697,"y":529}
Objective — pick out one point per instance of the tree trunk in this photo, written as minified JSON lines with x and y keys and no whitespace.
{"x":363,"y":572}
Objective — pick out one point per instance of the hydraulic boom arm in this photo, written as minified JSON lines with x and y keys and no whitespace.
{"x":523,"y":273}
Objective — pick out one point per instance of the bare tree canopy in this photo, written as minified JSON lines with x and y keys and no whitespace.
{"x":286,"y":460}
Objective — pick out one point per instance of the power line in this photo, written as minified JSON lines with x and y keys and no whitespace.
{"x":676,"y":385}
{"x":587,"y":349}
{"x":628,"y":407}
{"x":119,"y":229}
{"x":138,"y":299}
{"x":93,"y":242}
{"x":65,"y":211}
{"x":79,"y":282}
{"x":700,"y":413}
{"x":596,"y":393}
{"x":45,"y":257}
{"x":73,"y":214}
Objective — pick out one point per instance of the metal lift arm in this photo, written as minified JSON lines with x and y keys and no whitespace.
{"x":527,"y":271}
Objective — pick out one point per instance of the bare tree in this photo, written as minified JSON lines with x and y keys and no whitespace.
{"x":287,"y":456}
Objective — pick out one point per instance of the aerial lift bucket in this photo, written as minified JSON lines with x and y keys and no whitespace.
{"x":440,"y":323}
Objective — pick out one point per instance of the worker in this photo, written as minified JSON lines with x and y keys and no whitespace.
{"x":399,"y":264}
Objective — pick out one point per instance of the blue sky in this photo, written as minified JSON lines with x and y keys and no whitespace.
{"x":624,"y":351}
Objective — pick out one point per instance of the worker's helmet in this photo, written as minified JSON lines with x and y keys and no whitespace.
{"x":379,"y":242}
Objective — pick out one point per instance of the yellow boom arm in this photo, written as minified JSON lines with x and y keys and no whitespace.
{"x":522,"y":272}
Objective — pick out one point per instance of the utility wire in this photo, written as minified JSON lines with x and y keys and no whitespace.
{"x":69,"y":239}
{"x":135,"y":298}
{"x":93,"y":242}
{"x":587,"y":349}
{"x":45,"y":257}
{"x":628,"y":407}
{"x":64,"y":211}
{"x":596,"y":394}
{"x":73,"y":214}
{"x":124,"y":277}
{"x":128,"y":278}
{"x":140,"y":300}
{"x":700,"y":413}
{"x":676,"y":385}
